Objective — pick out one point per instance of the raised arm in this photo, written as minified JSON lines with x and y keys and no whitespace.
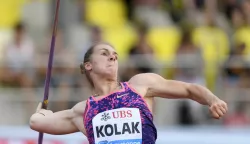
{"x":58,"y":123}
{"x":157,"y":86}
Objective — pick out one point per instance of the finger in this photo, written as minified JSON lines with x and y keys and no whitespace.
{"x":223,"y":110}
{"x":219,"y":111}
{"x":214,"y":113}
{"x":39,"y":107}
{"x":225,"y":106}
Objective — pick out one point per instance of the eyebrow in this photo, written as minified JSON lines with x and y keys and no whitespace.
{"x":108,"y":50}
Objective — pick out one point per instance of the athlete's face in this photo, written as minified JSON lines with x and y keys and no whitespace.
{"x":104,"y":61}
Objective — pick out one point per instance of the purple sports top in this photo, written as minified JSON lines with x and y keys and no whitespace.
{"x":119,"y":118}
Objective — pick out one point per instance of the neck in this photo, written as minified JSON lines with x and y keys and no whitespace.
{"x":104,"y":86}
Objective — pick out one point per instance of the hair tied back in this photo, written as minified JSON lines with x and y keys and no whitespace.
{"x":82,"y":68}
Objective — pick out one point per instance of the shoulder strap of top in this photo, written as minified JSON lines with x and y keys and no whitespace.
{"x":125,"y":85}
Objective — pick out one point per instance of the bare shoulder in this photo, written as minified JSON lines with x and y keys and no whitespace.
{"x":79,"y":107}
{"x":149,"y":79}
{"x":144,"y":79}
{"x":141,"y":82}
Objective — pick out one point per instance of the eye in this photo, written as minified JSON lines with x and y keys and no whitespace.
{"x":116,"y":57}
{"x":104,"y":53}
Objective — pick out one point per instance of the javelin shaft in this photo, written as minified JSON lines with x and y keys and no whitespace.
{"x":49,"y":69}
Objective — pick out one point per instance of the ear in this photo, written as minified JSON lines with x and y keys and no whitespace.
{"x":88,"y":66}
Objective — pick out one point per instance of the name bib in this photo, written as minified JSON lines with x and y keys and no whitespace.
{"x":118,"y":126}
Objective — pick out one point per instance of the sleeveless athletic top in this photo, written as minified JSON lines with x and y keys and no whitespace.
{"x":121,"y":117}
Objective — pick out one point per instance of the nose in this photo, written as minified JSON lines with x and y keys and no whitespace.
{"x":112,"y":58}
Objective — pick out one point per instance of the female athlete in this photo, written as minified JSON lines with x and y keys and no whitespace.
{"x":119,"y":112}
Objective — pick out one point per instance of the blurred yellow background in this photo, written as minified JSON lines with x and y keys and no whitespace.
{"x":198,"y":41}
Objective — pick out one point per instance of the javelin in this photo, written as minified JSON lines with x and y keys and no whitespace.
{"x":50,"y":62}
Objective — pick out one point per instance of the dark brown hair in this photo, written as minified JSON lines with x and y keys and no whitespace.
{"x":87,"y":57}
{"x":19,"y":27}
